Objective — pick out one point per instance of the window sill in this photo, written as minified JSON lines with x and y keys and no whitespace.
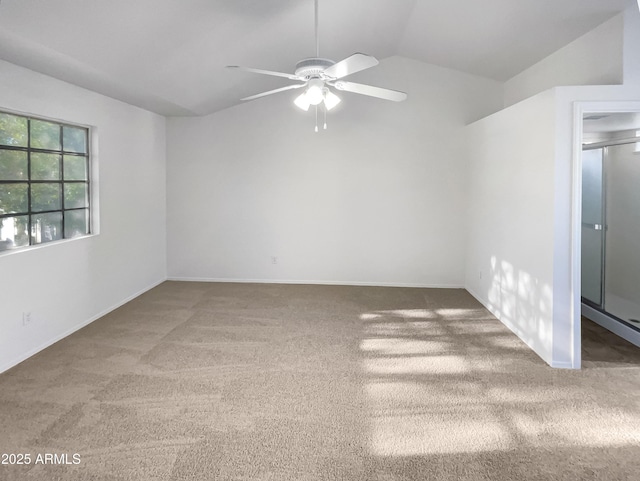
{"x":20,"y":250}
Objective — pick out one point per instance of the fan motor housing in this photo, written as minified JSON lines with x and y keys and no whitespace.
{"x":312,"y":67}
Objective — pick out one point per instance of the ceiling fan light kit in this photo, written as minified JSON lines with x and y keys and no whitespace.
{"x":318,"y":74}
{"x":330,"y":99}
{"x":315,"y":91}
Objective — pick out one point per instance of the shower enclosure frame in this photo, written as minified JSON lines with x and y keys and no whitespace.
{"x":603,"y":228}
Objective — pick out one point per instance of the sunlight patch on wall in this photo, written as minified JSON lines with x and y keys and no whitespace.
{"x":521,"y":302}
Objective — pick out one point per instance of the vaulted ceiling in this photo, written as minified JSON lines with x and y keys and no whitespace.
{"x":169,"y":55}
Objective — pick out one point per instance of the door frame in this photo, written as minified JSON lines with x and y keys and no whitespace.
{"x":580,"y":108}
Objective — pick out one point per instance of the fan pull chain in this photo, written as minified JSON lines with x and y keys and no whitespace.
{"x":325,"y":118}
{"x":316,"y":119}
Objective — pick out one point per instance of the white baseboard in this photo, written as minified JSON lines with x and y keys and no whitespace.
{"x":562,"y":365}
{"x":14,"y":362}
{"x":312,"y":282}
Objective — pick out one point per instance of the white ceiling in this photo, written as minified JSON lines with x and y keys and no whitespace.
{"x":169,"y":55}
{"x":614,"y":122}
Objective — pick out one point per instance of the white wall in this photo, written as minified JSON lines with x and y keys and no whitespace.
{"x":631,"y":51}
{"x":65,"y":285}
{"x":524,"y":212}
{"x":510,"y":227}
{"x":377,"y":198}
{"x":596,"y":58}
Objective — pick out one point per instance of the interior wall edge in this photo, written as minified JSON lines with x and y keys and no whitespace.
{"x":14,"y":362}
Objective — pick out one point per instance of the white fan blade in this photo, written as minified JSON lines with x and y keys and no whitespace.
{"x":266,"y":72}
{"x":353,"y":64}
{"x":275,"y":91}
{"x":371,"y":91}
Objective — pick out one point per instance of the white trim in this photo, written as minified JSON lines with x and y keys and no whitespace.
{"x":312,"y":282}
{"x":563,"y":365}
{"x":579,"y":109}
{"x":575,"y":286}
{"x":50,"y":342}
{"x":612,"y":325}
{"x":44,"y":245}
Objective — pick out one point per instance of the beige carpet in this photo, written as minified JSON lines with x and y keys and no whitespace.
{"x":195,"y":381}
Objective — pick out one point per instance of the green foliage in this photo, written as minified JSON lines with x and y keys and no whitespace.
{"x":14,"y":198}
{"x":75,"y":195}
{"x":75,"y":167}
{"x":45,"y":197}
{"x":45,"y":135}
{"x":13,"y":165}
{"x":13,"y":130}
{"x":45,"y":166}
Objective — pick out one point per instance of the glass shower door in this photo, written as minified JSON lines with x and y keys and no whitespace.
{"x":592,"y":226}
{"x":622,"y":245}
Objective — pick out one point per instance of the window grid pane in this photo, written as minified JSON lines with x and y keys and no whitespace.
{"x":45,"y":197}
{"x":75,"y":195}
{"x":45,"y":135}
{"x":44,"y":181}
{"x":14,"y":232}
{"x":75,"y":167}
{"x":14,"y":198}
{"x":76,"y":223}
{"x":46,"y":227}
{"x":45,"y":166}
{"x":13,"y":130}
{"x":14,"y":165}
{"x":74,"y":139}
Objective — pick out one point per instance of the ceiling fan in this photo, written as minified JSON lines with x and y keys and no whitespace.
{"x":318,"y":74}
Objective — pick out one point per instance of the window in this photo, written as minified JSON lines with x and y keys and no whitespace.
{"x":44,"y":181}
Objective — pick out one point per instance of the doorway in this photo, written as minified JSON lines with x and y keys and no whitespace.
{"x":610,"y":231}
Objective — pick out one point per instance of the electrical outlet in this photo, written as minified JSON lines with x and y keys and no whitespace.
{"x":274,"y":260}
{"x":26,"y":318}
